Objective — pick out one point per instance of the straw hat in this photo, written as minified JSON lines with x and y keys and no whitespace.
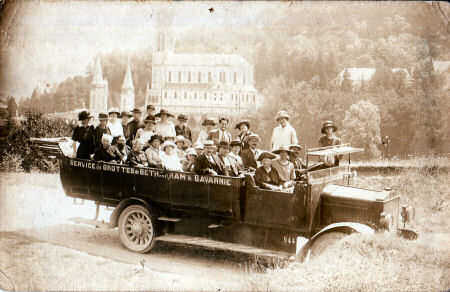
{"x":254,"y":136}
{"x":326,"y":125}
{"x":295,"y":146}
{"x":282,"y":114}
{"x":114,"y":110}
{"x":209,"y":143}
{"x":245,"y":122}
{"x":191,"y":151}
{"x":198,"y":146}
{"x":166,"y":144}
{"x":265,"y":155}
{"x":182,"y":117}
{"x":209,"y":121}
{"x":236,"y":142}
{"x":181,"y":138}
{"x":282,"y":148}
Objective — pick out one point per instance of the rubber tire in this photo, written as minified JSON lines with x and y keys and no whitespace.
{"x":325,"y":241}
{"x":122,"y":220}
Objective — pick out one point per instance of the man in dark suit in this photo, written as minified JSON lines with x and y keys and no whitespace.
{"x":220,"y":134}
{"x":134,"y":125}
{"x":250,"y":155}
{"x":207,"y":163}
{"x":181,"y":128}
{"x":227,"y":167}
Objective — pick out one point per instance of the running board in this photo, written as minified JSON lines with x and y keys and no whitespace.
{"x":219,"y":245}
{"x":169,"y":219}
{"x":104,"y":225}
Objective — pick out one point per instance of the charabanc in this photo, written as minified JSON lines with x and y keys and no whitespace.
{"x":233,"y":213}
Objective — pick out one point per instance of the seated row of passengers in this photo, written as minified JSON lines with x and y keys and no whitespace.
{"x":231,"y":159}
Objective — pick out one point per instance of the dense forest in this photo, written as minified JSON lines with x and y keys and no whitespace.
{"x":298,"y":52}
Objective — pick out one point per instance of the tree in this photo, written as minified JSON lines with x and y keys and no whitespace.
{"x":361,"y":127}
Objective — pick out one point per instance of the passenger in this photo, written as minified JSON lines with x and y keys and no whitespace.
{"x":220,"y":134}
{"x":134,"y":125}
{"x":182,"y":129}
{"x":114,"y":124}
{"x":266,"y":176}
{"x":182,"y":143}
{"x":125,"y":116}
{"x":148,"y":131}
{"x":123,"y":150}
{"x":295,"y":157}
{"x":169,"y":157}
{"x":153,"y":153}
{"x":198,"y":148}
{"x":234,"y":153}
{"x":170,"y":138}
{"x":137,"y":156}
{"x":244,"y":128}
{"x":330,"y":139}
{"x":227,"y":166}
{"x":101,"y":129}
{"x":84,"y":134}
{"x":250,"y":155}
{"x":284,"y":168}
{"x":165,"y":127}
{"x":150,"y":110}
{"x":207,"y":163}
{"x":106,"y":152}
{"x":284,"y":134}
{"x":208,"y":124}
{"x":188,"y":163}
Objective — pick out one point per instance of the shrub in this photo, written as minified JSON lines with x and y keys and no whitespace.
{"x":16,"y":146}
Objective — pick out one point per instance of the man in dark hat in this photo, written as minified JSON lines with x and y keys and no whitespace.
{"x":244,"y":129}
{"x":250,"y":155}
{"x":330,"y":139}
{"x":227,"y":166}
{"x":125,"y":116}
{"x":101,"y":129}
{"x":165,"y":127}
{"x":134,"y":125}
{"x":84,"y":135}
{"x":295,"y":157}
{"x":181,"y":128}
{"x":221,"y":133}
{"x":150,"y":110}
{"x":207,"y":163}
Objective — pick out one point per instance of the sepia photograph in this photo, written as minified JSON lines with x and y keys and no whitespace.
{"x":224,"y":145}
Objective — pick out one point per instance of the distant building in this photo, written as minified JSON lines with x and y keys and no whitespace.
{"x":127,"y":91}
{"x":356,"y":75}
{"x":200,"y":83}
{"x":98,"y":96}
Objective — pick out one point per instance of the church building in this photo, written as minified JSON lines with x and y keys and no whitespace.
{"x":98,"y":96}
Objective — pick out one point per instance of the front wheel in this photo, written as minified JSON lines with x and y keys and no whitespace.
{"x":325,"y":241}
{"x":137,"y":229}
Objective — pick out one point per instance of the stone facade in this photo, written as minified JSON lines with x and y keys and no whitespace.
{"x":98,"y":97}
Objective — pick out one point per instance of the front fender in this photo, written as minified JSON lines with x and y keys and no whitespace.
{"x":114,"y":218}
{"x":344,"y":227}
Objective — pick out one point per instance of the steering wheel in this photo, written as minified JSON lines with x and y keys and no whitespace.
{"x":314,"y":166}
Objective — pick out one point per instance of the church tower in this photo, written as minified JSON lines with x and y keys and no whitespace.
{"x":127,"y":92}
{"x":98,"y":96}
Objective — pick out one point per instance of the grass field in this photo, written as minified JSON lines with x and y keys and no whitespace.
{"x":381,"y":262}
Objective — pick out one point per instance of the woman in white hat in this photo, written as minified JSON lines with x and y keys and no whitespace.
{"x":181,"y":143}
{"x":115,"y":124}
{"x":284,"y":167}
{"x":188,"y":163}
{"x":284,"y":134}
{"x":148,"y":131}
{"x":169,"y":157}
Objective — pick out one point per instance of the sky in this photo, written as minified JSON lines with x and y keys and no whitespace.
{"x":51,"y":41}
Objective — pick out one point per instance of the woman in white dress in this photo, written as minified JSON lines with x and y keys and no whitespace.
{"x":208,"y":124}
{"x":115,"y":124}
{"x":148,"y":131}
{"x":169,"y":157}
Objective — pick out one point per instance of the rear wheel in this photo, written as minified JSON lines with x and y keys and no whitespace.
{"x":137,"y":228}
{"x":325,"y":241}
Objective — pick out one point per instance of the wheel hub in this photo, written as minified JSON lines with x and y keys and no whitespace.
{"x":137,"y":228}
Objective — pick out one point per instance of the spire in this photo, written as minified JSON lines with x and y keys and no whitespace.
{"x":128,"y":81}
{"x":98,"y":76}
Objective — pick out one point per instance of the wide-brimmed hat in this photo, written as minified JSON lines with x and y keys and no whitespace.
{"x":182,"y":117}
{"x":114,"y":110}
{"x":83,"y":115}
{"x":223,"y":144}
{"x":209,"y":121}
{"x":326,"y":125}
{"x":137,"y":111}
{"x":282,"y":148}
{"x":181,"y":138}
{"x":150,"y":106}
{"x":150,"y":119}
{"x":246,"y":122}
{"x":156,"y":137}
{"x":253,"y":136}
{"x":198,"y":146}
{"x":163,"y":111}
{"x":282,"y":114}
{"x":236,"y":142}
{"x":102,"y":116}
{"x":265,"y":155}
{"x":191,"y":151}
{"x":295,"y":146}
{"x":208,"y":143}
{"x":125,"y":114}
{"x":166,"y":144}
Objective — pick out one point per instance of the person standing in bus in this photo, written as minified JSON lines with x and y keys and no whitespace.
{"x":182,"y":129}
{"x":165,"y":127}
{"x":330,"y":139}
{"x":84,"y":134}
{"x":208,"y":125}
{"x":114,"y":124}
{"x":244,"y":128}
{"x":220,"y":134}
{"x":101,"y":129}
{"x":284,"y":134}
{"x":250,"y":155}
{"x":134,"y":125}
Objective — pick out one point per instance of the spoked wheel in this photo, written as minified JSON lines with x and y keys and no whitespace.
{"x":137,"y":229}
{"x":325,"y":241}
